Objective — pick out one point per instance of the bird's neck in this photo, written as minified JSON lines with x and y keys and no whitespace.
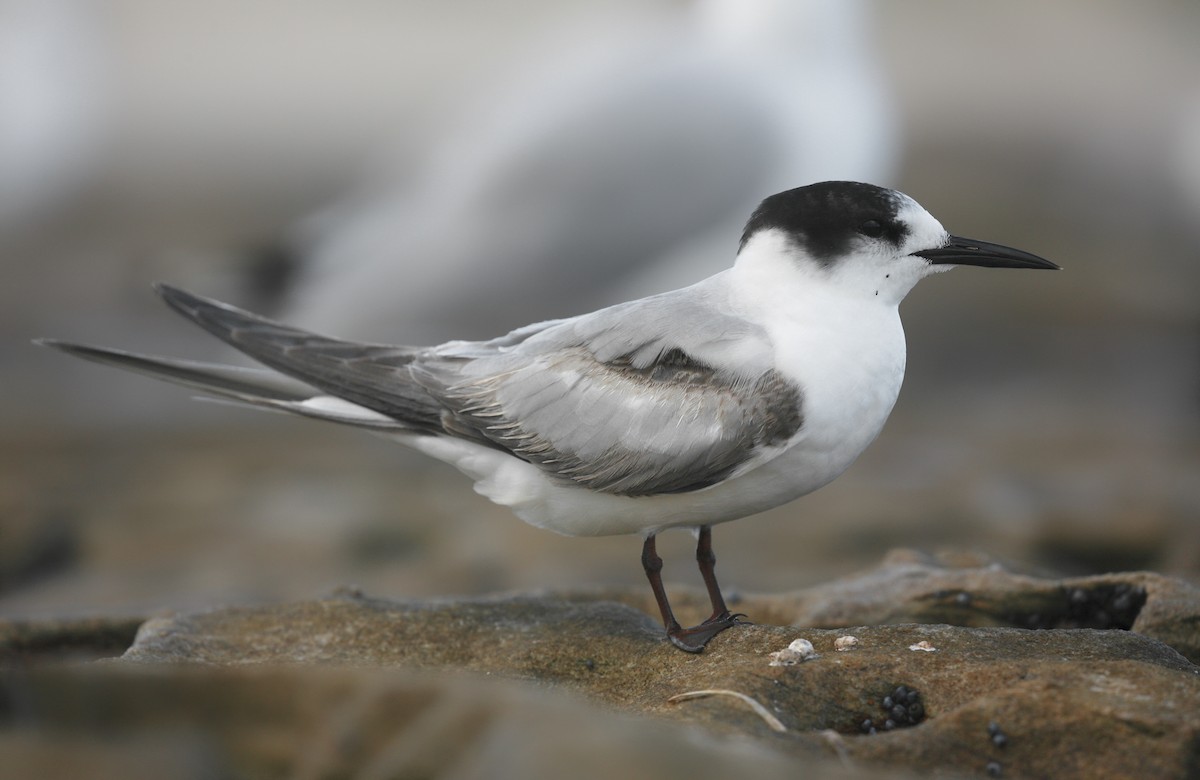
{"x":817,"y":326}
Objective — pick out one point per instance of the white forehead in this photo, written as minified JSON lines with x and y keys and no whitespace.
{"x":924,"y":231}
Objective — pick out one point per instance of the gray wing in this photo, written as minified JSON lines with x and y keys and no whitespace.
{"x":663,"y":395}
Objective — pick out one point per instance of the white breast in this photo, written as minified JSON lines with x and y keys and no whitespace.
{"x":849,"y":365}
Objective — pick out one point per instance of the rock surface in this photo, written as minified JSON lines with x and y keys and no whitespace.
{"x":1097,"y":685}
{"x":965,"y":589}
{"x":1069,"y":701}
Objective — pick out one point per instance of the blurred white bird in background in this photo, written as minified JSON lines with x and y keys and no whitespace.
{"x":646,"y":145}
{"x":52,"y":102}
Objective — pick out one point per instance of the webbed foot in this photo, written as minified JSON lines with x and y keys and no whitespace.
{"x":693,"y":640}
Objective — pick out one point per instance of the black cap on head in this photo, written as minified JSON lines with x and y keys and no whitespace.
{"x":826,"y":218}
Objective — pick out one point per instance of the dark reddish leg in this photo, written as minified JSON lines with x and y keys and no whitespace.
{"x":695,"y":638}
{"x":653,"y":566}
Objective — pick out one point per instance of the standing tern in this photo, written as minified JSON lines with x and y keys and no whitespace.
{"x":684,"y":409}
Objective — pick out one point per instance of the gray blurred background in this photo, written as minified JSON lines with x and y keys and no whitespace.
{"x":421,"y":171}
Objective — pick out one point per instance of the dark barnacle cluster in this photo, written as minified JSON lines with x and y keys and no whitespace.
{"x":1105,"y":607}
{"x":1100,"y":605}
{"x":998,"y":737}
{"x":902,"y":707}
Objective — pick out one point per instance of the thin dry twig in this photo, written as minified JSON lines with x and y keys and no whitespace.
{"x":759,"y":710}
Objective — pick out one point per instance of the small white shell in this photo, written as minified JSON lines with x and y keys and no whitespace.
{"x":923,"y":646}
{"x":843,"y":643}
{"x":798,"y":651}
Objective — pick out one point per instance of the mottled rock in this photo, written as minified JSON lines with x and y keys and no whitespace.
{"x":910,"y":587}
{"x":967,"y":590}
{"x":1071,"y":702}
{"x":1079,"y":677}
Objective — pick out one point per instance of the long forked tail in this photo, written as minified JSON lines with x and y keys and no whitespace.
{"x":244,"y":386}
{"x":360,"y":384}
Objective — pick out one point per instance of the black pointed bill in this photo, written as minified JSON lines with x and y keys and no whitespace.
{"x":968,"y":251}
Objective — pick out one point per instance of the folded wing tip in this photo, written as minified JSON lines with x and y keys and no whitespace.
{"x":70,"y":347}
{"x":178,"y":299}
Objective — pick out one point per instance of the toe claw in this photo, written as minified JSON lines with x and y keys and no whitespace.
{"x":693,"y":640}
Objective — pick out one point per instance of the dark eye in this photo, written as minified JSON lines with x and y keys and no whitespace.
{"x":872,"y":228}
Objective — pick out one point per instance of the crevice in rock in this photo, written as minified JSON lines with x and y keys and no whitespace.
{"x":1100,"y":606}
